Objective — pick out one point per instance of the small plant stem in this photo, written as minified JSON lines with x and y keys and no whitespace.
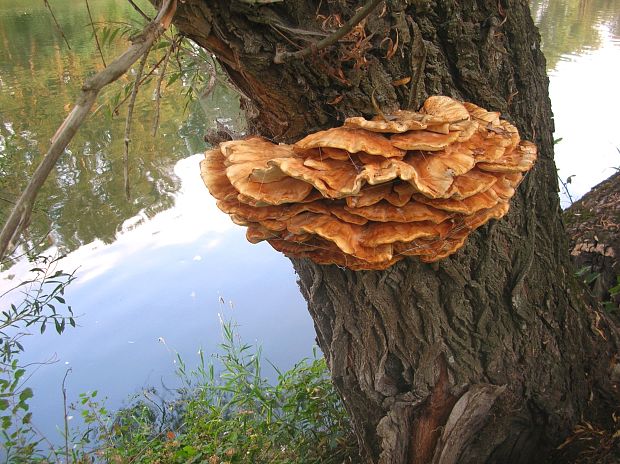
{"x":565,"y":186}
{"x":66,"y":422}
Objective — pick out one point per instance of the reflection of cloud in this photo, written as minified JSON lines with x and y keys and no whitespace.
{"x":584,"y":100}
{"x":193,"y":215}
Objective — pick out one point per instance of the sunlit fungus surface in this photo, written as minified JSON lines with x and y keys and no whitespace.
{"x":369,"y":193}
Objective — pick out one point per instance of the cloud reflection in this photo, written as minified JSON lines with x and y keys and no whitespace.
{"x":193,"y":216}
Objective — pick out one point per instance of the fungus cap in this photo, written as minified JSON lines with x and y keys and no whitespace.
{"x":351,"y":140}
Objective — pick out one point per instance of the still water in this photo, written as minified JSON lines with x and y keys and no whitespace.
{"x":581,"y":41}
{"x":156,"y":273}
{"x":153,"y":279}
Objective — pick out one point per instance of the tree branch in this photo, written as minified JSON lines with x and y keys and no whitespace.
{"x":19,"y":217}
{"x":331,"y":39}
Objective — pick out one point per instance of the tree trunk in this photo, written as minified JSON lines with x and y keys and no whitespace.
{"x":493,"y":354}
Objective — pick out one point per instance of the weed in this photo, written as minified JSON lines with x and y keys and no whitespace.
{"x":227,"y":411}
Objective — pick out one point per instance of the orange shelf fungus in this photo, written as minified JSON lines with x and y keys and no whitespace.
{"x":372,"y":192}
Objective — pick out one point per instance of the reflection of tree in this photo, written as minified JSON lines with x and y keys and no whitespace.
{"x":571,"y":26}
{"x":84,"y":199}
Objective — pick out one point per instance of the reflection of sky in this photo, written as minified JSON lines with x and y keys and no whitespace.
{"x":585,"y":99}
{"x":163,"y":278}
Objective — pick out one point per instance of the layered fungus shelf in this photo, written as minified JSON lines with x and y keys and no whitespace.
{"x":371,"y":192}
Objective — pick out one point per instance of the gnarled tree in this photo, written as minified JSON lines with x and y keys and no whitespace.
{"x":493,"y":354}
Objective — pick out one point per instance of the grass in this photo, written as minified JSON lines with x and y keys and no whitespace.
{"x":225,"y":412}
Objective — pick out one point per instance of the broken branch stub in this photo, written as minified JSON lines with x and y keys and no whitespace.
{"x":370,"y":193}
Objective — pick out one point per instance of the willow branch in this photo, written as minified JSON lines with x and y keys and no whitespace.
{"x":47,"y":5}
{"x":162,"y":73}
{"x":281,"y":56}
{"x":144,"y":78}
{"x":92,"y":24}
{"x":132,"y":103}
{"x":20,"y":215}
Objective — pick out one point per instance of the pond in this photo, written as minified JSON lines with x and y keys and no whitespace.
{"x":581,"y":41}
{"x":157,"y":273}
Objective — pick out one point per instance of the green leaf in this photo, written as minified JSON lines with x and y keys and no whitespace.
{"x":160,"y":45}
{"x":4,"y":405}
{"x":19,"y":373}
{"x":173,"y":78}
{"x":26,"y":394}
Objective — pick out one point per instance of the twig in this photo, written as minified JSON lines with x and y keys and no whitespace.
{"x":132,"y":102}
{"x":210,"y":86}
{"x":282,"y":56}
{"x":139,"y":10}
{"x":162,"y":73}
{"x":144,"y":78}
{"x":162,"y":409}
{"x":565,"y":187}
{"x":92,"y":24}
{"x":64,"y":406}
{"x":47,"y":5}
{"x":19,"y":217}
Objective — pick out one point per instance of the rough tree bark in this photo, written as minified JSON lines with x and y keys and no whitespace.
{"x":491,"y":355}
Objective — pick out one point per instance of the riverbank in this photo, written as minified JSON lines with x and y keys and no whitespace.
{"x":593,"y":229}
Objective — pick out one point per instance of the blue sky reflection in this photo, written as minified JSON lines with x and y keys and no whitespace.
{"x":156,"y":291}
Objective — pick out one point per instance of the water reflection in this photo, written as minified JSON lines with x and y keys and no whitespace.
{"x":584,"y":97}
{"x":572,"y":27}
{"x":162,"y":279}
{"x":581,"y":41}
{"x":84,"y":199}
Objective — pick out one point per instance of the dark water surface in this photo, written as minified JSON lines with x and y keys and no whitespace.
{"x":157,"y":273}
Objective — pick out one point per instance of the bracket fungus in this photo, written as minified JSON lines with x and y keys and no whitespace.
{"x":369,"y":193}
